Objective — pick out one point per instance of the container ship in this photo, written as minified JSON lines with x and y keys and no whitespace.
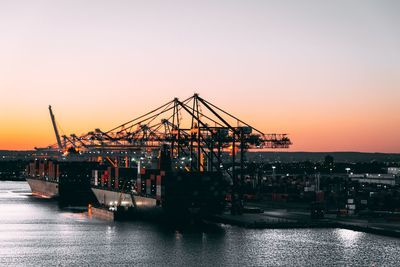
{"x":183,"y":193}
{"x":180,"y":194}
{"x":67,"y":181}
{"x":187,"y":176}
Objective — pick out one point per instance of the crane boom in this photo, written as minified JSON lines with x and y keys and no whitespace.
{"x":53,"y":120}
{"x":214,"y":129}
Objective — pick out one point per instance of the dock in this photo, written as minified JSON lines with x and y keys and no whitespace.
{"x":264,"y":221}
{"x":278,"y":219}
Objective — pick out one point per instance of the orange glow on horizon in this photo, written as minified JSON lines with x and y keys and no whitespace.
{"x":318,"y":132}
{"x":282,"y":67}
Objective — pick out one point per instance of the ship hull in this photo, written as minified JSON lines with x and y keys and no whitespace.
{"x":43,"y":188}
{"x":110,"y":198}
{"x":66,"y":194}
{"x":67,"y":181}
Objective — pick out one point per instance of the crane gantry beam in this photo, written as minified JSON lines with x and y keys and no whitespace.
{"x":194,"y":133}
{"x":193,"y":127}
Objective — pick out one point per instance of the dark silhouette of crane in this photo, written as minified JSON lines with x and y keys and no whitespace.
{"x":53,"y":120}
{"x":198,"y":135}
{"x":193,"y":128}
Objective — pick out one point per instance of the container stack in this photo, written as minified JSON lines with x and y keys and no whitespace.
{"x":33,"y":169}
{"x":68,"y":180}
{"x":125,"y":178}
{"x":42,"y":169}
{"x":204,"y":191}
{"x":174,"y":191}
{"x":149,"y":183}
{"x":114,"y":178}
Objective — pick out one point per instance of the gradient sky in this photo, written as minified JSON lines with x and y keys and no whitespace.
{"x":326,"y":72}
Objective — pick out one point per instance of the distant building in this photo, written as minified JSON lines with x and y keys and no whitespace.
{"x":387,"y":179}
{"x":394,"y":170}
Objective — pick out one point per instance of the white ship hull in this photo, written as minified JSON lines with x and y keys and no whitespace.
{"x":112,"y":199}
{"x":43,"y":188}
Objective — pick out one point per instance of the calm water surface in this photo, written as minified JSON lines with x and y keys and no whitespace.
{"x":35,"y":232}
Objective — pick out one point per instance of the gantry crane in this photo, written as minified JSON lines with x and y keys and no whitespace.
{"x":165,"y":125}
{"x":199,"y":136}
{"x":194,"y":129}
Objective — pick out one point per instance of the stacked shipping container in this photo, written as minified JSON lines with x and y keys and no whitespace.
{"x":180,"y":191}
{"x":70,"y":179}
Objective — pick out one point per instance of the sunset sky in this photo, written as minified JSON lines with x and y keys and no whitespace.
{"x":325,"y":72}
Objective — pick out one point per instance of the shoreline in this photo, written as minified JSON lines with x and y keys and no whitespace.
{"x":283,"y":219}
{"x":268,"y":221}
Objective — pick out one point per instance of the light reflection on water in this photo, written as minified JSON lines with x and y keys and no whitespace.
{"x":36,"y":232}
{"x":348,"y":237}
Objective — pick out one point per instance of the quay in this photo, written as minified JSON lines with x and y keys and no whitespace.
{"x":283,"y":219}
